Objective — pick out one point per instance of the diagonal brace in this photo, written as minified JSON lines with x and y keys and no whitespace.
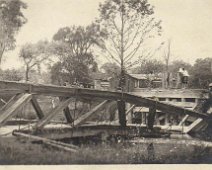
{"x":87,"y":115}
{"x":12,"y":107}
{"x":52,"y":113}
{"x":37,"y":107}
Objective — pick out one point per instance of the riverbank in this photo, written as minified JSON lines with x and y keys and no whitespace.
{"x":15,"y":151}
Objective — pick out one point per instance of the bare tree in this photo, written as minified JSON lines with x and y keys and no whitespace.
{"x":34,"y":55}
{"x":129,"y":25}
{"x":167,"y":55}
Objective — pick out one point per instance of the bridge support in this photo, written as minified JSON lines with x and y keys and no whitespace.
{"x":37,"y":108}
{"x":122,"y":113}
{"x":84,"y":117}
{"x":13,"y":106}
{"x":67,"y":112}
{"x":151,"y":117}
{"x":52,"y":113}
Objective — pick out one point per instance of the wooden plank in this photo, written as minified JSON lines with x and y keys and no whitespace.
{"x":122,"y":113}
{"x":12,"y":100}
{"x":106,"y":95}
{"x":37,"y":107}
{"x":59,"y":145}
{"x":52,"y":113}
{"x":87,"y":115}
{"x":13,"y":106}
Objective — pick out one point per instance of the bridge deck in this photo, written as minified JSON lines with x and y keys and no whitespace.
{"x":51,"y":90}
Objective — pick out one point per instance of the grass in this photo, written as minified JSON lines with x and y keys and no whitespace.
{"x":15,"y":151}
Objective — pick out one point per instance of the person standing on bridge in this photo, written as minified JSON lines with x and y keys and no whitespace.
{"x":185,"y":76}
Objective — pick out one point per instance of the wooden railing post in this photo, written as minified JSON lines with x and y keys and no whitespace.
{"x":122,"y":113}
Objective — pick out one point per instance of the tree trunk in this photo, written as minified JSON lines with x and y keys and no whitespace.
{"x":27,"y":74}
{"x":122,"y":79}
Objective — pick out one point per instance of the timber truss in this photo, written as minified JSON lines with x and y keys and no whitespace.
{"x":24,"y":93}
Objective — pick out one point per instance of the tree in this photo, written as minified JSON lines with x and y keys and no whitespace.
{"x":129,"y":25}
{"x":11,"y":75}
{"x":74,"y":46}
{"x":149,"y":66}
{"x":11,"y":20}
{"x":111,"y":69}
{"x":176,"y":64}
{"x":202,"y":73}
{"x":34,"y":55}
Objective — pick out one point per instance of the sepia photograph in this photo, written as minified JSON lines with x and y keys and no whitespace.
{"x":105,"y":82}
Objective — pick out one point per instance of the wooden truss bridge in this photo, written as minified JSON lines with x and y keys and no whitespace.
{"x":21,"y":94}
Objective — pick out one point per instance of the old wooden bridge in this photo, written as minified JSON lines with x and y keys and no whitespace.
{"x":21,"y":94}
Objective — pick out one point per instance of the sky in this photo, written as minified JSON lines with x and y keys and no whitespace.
{"x":188,"y":23}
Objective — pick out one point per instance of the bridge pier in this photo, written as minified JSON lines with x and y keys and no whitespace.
{"x":122,"y":113}
{"x":151,"y":117}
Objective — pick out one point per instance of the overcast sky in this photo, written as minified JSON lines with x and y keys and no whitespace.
{"x":187,"y":22}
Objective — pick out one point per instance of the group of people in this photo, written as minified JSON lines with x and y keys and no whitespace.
{"x":183,"y":77}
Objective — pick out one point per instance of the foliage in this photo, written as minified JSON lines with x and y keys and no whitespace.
{"x":34,"y":55}
{"x":11,"y":75}
{"x":17,"y":151}
{"x":129,"y":26}
{"x":202,"y":73}
{"x":111,"y":69}
{"x":11,"y":20}
{"x":149,"y":66}
{"x":73,"y":45}
{"x":175,"y":65}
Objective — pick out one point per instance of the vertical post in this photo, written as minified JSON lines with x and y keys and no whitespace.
{"x":37,"y":108}
{"x":151,"y":117}
{"x":121,"y":113}
{"x":67,"y":112}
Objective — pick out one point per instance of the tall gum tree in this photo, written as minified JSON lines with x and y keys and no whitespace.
{"x":74,"y":47}
{"x":11,"y":20}
{"x":129,"y":25}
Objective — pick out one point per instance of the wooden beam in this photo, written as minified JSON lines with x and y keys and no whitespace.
{"x":151,"y":117}
{"x":67,"y":112}
{"x":11,"y":108}
{"x":59,"y":145}
{"x":193,"y":125}
{"x":67,"y":115}
{"x":52,"y":113}
{"x":87,"y":115}
{"x":9,"y":92}
{"x":106,"y":95}
{"x":183,"y":120}
{"x":122,"y":113}
{"x":37,"y":107}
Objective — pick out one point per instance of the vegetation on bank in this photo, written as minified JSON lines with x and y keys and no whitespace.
{"x":15,"y":151}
